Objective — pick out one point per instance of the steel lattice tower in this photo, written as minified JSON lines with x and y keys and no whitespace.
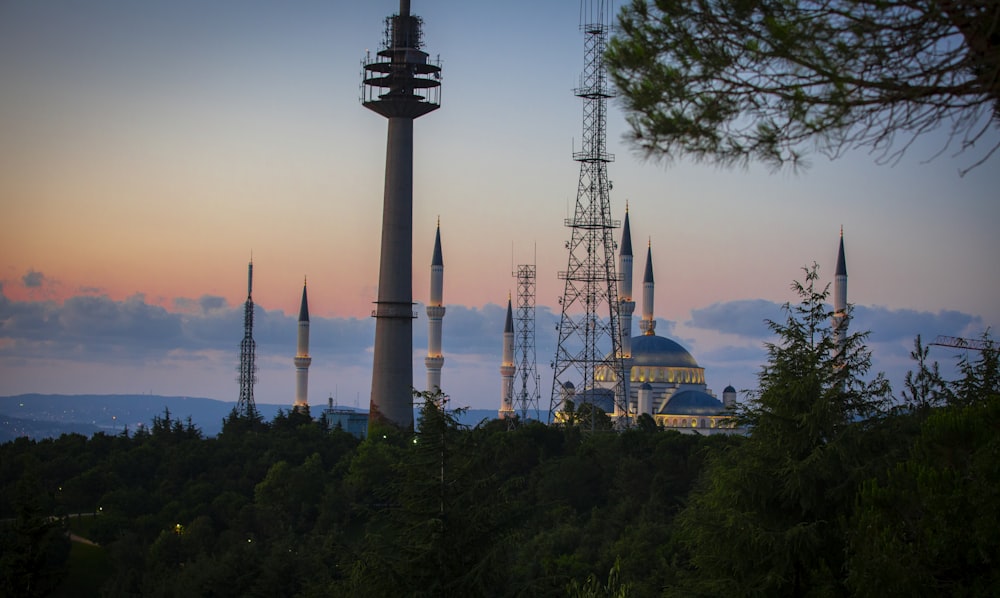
{"x":246,"y":407}
{"x":587,"y":339}
{"x":401,"y":84}
{"x":526,"y":398}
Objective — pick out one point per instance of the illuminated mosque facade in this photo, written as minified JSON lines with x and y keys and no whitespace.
{"x":665,"y":381}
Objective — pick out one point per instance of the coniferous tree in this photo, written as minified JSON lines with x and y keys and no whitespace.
{"x":767,"y":517}
{"x":34,"y":546}
{"x":928,"y":526}
{"x":924,"y":388}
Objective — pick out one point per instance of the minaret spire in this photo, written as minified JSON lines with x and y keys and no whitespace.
{"x":625,"y":297}
{"x":401,"y":84}
{"x":840,"y":316}
{"x":648,"y":322}
{"x":626,"y":303}
{"x":507,"y":366}
{"x":435,"y":314}
{"x":302,"y":359}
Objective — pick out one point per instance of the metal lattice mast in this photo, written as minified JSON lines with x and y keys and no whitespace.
{"x":587,"y":339}
{"x":526,"y":398}
{"x":246,"y":407}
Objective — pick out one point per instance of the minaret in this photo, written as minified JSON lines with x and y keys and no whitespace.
{"x":729,"y":396}
{"x":302,"y":359}
{"x":507,"y":367}
{"x":625,"y":294}
{"x":435,"y":313}
{"x":840,"y":318}
{"x":648,"y":323}
{"x":401,"y":85}
{"x":246,"y":407}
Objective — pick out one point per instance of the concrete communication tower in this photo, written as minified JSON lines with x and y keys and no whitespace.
{"x":526,"y":396}
{"x":589,"y":331}
{"x":401,"y":84}
{"x":246,"y":407}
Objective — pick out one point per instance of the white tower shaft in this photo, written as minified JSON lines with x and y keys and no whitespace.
{"x":507,"y":367}
{"x":840,"y":318}
{"x":648,"y":323}
{"x":302,"y":359}
{"x":627,"y":303}
{"x":435,"y":314}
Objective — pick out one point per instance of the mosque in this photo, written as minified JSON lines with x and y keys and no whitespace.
{"x":665,"y":381}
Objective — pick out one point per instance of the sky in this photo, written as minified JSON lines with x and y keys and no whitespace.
{"x":149,"y":149}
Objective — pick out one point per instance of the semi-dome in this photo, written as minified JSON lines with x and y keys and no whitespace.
{"x":602,"y":398}
{"x":650,"y":350}
{"x":693,"y":402}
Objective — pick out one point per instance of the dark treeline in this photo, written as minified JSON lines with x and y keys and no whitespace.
{"x":287,"y":508}
{"x":839,"y":489}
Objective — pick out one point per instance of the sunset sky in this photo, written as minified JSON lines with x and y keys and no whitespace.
{"x":147,"y":149}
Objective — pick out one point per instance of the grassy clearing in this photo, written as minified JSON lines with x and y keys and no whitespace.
{"x":89,"y":568}
{"x":81,"y":526}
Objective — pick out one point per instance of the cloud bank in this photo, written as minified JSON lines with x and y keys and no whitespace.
{"x":192,"y":348}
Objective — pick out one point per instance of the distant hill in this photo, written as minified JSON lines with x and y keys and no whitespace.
{"x":14,"y":427}
{"x":48,"y":416}
{"x":111,"y":413}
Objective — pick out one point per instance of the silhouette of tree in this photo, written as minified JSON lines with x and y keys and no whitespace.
{"x":768,"y":516}
{"x":730,"y":81}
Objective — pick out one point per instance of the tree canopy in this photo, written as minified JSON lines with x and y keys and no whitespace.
{"x":735,"y":81}
{"x":766,"y":518}
{"x":832,"y":492}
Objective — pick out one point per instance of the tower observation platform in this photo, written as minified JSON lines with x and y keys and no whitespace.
{"x":401,"y":81}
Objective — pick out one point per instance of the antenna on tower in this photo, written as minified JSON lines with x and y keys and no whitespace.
{"x":956,"y":342}
{"x":588,"y":364}
{"x":526,"y":397}
{"x":246,"y":407}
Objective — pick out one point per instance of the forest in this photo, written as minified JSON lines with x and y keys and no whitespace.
{"x":840,"y":487}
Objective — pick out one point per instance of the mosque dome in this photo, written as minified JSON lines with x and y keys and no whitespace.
{"x":693,"y":402}
{"x":602,"y":398}
{"x":651,"y":350}
{"x":728,"y":389}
